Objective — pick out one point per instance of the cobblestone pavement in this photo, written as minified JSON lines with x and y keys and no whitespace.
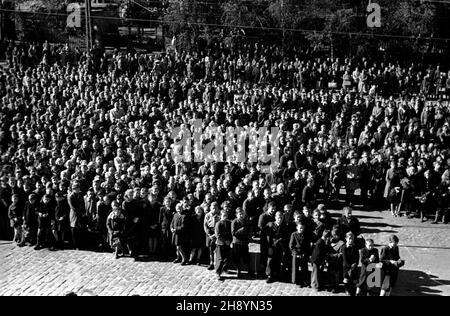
{"x":23,"y":271}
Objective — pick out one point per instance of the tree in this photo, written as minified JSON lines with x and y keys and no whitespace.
{"x":192,"y":20}
{"x":36,"y":20}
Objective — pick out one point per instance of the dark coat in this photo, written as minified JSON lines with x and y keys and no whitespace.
{"x":223,"y":233}
{"x":179,"y":237}
{"x":299,"y":244}
{"x":263,"y":221}
{"x":350,"y":256}
{"x":165,"y":217}
{"x":45,"y":215}
{"x":15,"y":214}
{"x":30,"y":214}
{"x":391,"y":270}
{"x":197,"y":233}
{"x":320,"y":252}
{"x":365,"y":255}
{"x":77,"y":210}
{"x":240,"y":231}
{"x":349,"y":225}
{"x":309,"y":196}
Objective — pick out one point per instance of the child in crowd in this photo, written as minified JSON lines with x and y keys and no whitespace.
{"x":116,"y":229}
{"x":223,"y":242}
{"x":300,"y":248}
{"x":15,"y":214}
{"x":241,"y":237}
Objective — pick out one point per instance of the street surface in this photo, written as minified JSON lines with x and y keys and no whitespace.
{"x":23,"y":271}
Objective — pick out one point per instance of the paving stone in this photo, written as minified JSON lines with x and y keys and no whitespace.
{"x":27,"y":272}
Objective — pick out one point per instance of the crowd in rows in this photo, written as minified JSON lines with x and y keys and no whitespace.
{"x":87,"y":154}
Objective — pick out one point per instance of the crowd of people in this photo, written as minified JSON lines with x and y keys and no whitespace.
{"x":86,"y":155}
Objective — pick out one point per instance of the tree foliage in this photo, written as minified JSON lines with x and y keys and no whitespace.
{"x":319,"y":22}
{"x":42,"y":23}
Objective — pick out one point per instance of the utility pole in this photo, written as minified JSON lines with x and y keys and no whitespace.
{"x":88,"y":25}
{"x":283,"y":18}
{"x":2,"y":23}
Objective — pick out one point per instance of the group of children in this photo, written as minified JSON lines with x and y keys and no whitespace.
{"x":290,"y":243}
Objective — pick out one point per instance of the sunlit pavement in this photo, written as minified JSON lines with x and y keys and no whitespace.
{"x":23,"y":271}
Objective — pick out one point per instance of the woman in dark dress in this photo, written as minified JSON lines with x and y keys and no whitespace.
{"x":198,"y":236}
{"x":390,"y":257}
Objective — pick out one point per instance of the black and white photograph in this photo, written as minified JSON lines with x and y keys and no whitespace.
{"x":225,"y":153}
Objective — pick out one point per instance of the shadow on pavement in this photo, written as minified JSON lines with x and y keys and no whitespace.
{"x":418,"y":283}
{"x":365,"y":230}
{"x":424,"y":247}
{"x":363,"y":224}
